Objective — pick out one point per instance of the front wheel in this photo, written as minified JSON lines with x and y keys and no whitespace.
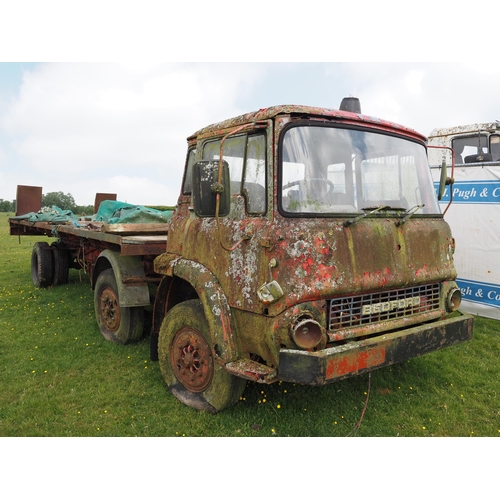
{"x":117,"y":324}
{"x":187,"y":361}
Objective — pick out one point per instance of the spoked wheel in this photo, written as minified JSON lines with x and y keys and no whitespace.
{"x":109,"y":309}
{"x":191,"y":359}
{"x":187,"y":361}
{"x":116,"y":323}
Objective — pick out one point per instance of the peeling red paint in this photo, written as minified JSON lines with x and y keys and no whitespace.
{"x":355,"y":362}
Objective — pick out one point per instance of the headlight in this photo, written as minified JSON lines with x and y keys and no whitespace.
{"x":453,"y":299}
{"x":307,"y":333}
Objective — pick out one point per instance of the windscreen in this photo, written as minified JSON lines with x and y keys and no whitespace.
{"x":328,"y":169}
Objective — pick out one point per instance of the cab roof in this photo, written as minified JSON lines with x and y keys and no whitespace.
{"x":306,"y":112}
{"x":474,"y":128}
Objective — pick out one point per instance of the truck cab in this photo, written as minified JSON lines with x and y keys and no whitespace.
{"x":307,"y":246}
{"x":475,"y":143}
{"x":472,"y":208}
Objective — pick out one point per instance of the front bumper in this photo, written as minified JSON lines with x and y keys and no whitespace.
{"x":353,"y":358}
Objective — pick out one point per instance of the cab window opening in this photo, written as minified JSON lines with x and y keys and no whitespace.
{"x":246,"y":157}
{"x":327,"y":169}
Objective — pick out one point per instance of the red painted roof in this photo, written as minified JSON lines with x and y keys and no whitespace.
{"x":290,"y":109}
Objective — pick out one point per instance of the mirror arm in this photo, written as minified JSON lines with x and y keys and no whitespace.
{"x":444,"y":180}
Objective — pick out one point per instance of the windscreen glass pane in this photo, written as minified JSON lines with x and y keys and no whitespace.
{"x":333,"y":170}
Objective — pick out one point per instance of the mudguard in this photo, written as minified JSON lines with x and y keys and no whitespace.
{"x":125,"y":268}
{"x":215,"y":305}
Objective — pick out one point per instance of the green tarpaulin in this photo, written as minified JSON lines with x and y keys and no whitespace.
{"x":110,"y":212}
{"x":54,"y":214}
{"x":118,"y":212}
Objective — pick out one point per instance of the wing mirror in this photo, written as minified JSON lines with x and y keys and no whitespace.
{"x":206,"y":186}
{"x":444,"y":180}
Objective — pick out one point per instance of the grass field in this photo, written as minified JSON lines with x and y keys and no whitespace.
{"x":60,"y":377}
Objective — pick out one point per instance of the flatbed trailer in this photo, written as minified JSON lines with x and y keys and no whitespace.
{"x":118,"y":259}
{"x":130,"y":239}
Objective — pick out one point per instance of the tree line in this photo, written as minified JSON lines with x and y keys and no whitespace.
{"x":59,"y":199}
{"x":7,"y":206}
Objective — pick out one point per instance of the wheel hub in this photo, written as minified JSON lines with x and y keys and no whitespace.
{"x":109,"y":309}
{"x":191,"y":359}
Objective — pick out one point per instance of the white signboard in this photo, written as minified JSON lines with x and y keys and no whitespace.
{"x":474,"y":218}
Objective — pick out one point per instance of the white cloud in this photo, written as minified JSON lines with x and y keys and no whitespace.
{"x":76,"y":123}
{"x":425,"y":96}
{"x":141,"y":190}
{"x":86,"y":128}
{"x":413,"y":82}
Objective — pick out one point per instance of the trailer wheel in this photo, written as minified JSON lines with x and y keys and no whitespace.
{"x":42,"y":268}
{"x":187,"y":361}
{"x":117,"y":324}
{"x":61,"y":264}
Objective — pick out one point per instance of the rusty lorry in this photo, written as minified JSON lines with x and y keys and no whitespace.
{"x":307,"y":245}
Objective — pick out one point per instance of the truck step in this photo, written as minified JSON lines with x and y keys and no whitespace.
{"x":252,"y":370}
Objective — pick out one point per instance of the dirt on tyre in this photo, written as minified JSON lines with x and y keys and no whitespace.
{"x":42,"y":265}
{"x":187,"y":361}
{"x":117,"y":324}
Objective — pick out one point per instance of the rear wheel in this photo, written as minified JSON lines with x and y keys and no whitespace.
{"x":61,"y":264}
{"x":42,"y":267}
{"x":187,"y":361}
{"x":117,"y":324}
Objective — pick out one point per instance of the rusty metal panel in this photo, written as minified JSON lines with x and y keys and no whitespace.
{"x":100,"y":197}
{"x":28,"y":199}
{"x":217,"y":129}
{"x":353,"y":358}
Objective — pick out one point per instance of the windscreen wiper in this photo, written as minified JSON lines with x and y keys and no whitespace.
{"x":362,"y":216}
{"x":408,"y":214}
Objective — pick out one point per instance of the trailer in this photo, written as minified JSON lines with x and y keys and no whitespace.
{"x":117,"y":257}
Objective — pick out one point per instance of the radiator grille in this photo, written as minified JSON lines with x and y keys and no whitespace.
{"x":348,"y":312}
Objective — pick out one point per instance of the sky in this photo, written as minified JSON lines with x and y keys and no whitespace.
{"x":83,"y":128}
{"x":82,"y":124}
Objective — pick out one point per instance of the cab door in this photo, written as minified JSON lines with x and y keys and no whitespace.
{"x":232,"y":246}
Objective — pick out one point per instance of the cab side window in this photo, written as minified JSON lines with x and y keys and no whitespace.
{"x":246,"y":156}
{"x":254,"y":179}
{"x":187,"y":185}
{"x":467,"y":148}
{"x":495,"y":147}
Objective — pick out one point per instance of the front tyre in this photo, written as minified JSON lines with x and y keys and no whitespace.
{"x":187,"y":361}
{"x":116,"y":323}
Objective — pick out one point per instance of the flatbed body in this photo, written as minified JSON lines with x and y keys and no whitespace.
{"x":127,"y":250}
{"x":129,"y":239}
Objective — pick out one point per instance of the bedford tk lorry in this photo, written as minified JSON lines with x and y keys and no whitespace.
{"x":307,"y":245}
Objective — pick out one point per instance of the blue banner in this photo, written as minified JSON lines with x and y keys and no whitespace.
{"x":472,"y":192}
{"x":482,"y":293}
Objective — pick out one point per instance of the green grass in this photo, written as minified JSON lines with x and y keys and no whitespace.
{"x":60,"y":377}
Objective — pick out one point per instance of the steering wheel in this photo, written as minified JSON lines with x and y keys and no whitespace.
{"x":314,"y":179}
{"x":326,"y":181}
